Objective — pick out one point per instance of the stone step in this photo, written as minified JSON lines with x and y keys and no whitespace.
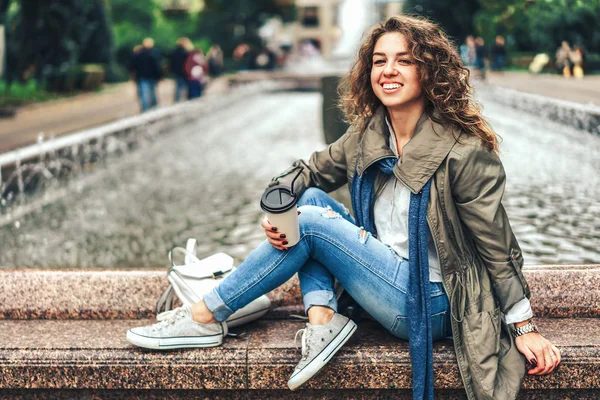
{"x":558,"y":291}
{"x":94,"y":355}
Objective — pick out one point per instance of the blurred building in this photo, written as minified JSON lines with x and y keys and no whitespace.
{"x":387,"y":8}
{"x":334,"y":27}
{"x":317,"y":23}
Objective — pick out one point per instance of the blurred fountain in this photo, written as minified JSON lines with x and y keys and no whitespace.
{"x":37,"y":175}
{"x":354,"y":19}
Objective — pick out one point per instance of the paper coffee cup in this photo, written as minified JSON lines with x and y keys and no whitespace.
{"x":279,"y":203}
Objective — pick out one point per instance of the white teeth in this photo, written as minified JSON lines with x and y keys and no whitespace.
{"x":391,"y":86}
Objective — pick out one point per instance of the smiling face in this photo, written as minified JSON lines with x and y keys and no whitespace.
{"x":394,"y":75}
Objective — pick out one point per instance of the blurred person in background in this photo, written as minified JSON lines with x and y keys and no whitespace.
{"x":563,"y":64}
{"x":196,"y":69}
{"x":176,"y":64}
{"x":576,"y":59}
{"x":481,"y":53}
{"x":538,"y":63}
{"x":242,"y":55}
{"x":266,"y":59}
{"x":132,"y":71}
{"x":147,"y":70}
{"x":467,"y":51}
{"x":215,"y":60}
{"x":498,"y":54}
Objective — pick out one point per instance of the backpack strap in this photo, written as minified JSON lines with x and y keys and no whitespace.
{"x":165,"y":301}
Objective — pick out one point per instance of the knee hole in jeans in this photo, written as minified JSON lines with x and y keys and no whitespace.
{"x":330,"y":214}
{"x":363,"y":235}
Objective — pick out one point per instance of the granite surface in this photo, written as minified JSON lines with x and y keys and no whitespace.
{"x":558,"y":291}
{"x":80,"y":294}
{"x":70,"y":354}
{"x":95,"y":294}
{"x":95,"y":354}
{"x":302,"y":394}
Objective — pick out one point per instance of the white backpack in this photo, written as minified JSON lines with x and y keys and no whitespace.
{"x":193,"y":279}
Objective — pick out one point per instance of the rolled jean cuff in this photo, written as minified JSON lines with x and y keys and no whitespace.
{"x":217,"y":306}
{"x":324,"y":298}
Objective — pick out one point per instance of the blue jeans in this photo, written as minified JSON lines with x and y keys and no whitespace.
{"x":195,"y":89}
{"x":498,"y":63}
{"x":331,"y":245}
{"x":181,"y":85}
{"x":147,"y":93}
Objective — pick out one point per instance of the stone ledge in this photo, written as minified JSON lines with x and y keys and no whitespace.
{"x":558,"y":291}
{"x":302,"y":394}
{"x":76,"y":354}
{"x":578,"y":115}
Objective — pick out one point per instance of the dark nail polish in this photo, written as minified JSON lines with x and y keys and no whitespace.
{"x":282,"y":236}
{"x":274,"y":229}
{"x":285,"y":242}
{"x":531,"y":364}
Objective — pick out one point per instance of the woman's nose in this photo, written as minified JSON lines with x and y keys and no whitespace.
{"x":389,"y":69}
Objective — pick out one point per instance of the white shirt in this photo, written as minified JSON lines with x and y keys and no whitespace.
{"x":391,"y":218}
{"x":391,"y":222}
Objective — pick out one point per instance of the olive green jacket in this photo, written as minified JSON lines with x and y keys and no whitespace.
{"x":480,"y":258}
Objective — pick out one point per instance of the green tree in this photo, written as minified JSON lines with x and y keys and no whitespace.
{"x":133,"y":21}
{"x":576,"y":21}
{"x":50,"y":38}
{"x":455,"y":17}
{"x":230,"y":22}
{"x":541,"y":25}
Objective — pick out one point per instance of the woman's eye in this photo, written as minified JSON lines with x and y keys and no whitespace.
{"x":379,"y":62}
{"x":405,"y":62}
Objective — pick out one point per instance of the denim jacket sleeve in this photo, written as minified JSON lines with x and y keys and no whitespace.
{"x":477,"y":187}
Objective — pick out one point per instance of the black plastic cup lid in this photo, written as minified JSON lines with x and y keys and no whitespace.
{"x":278,"y":199}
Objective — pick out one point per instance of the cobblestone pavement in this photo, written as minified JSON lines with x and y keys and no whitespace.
{"x":205,"y":181}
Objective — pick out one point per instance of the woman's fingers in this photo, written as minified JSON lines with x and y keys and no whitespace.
{"x":529,"y":356}
{"x":557,"y":357}
{"x":549,"y":360}
{"x":541,"y":362}
{"x":540,"y":353}
{"x":276,"y":238}
{"x":276,"y":235}
{"x":266,"y":225}
{"x":279,"y":245}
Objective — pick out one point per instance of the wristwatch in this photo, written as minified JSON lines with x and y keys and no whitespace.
{"x":528,"y":328}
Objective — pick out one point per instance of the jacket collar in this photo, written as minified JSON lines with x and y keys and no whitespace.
{"x":421,"y":156}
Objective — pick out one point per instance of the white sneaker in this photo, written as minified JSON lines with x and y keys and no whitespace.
{"x":176,"y":329}
{"x":319,"y":345}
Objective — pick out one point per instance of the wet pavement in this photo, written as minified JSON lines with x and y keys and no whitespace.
{"x":205,"y":181}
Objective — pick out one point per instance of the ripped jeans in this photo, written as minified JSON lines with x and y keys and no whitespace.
{"x":331,"y":245}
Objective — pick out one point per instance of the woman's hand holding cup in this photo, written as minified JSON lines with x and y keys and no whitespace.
{"x":276,"y":238}
{"x":281,"y":220}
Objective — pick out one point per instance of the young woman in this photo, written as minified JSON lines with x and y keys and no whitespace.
{"x":429,"y":252}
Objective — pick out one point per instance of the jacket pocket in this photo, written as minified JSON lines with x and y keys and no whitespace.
{"x":482,"y":339}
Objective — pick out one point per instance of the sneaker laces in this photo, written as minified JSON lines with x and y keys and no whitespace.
{"x":303,"y":334}
{"x":166,"y":314}
{"x":169,"y":315}
{"x":168,"y":318}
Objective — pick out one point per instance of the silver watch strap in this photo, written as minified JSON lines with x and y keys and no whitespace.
{"x":527,"y":328}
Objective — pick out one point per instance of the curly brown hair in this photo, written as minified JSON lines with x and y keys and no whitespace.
{"x":443,"y":78}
